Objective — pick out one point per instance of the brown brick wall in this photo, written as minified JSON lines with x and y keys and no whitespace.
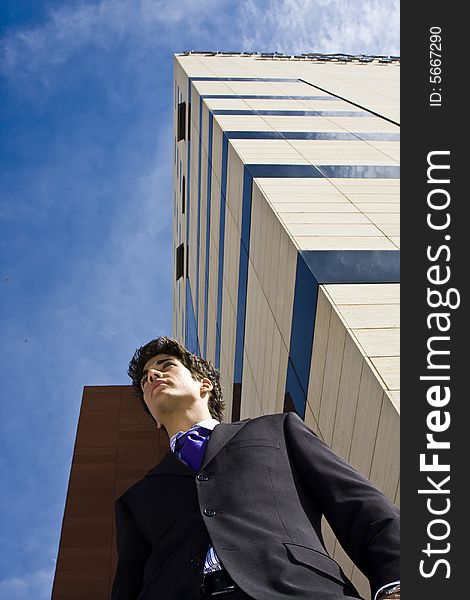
{"x":116,"y":444}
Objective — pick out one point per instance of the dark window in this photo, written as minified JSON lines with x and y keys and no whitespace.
{"x":179,"y":261}
{"x":183,"y":196}
{"x":189,"y":121}
{"x":181,"y":121}
{"x":187,"y":261}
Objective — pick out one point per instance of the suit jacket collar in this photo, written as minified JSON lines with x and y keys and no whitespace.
{"x":221,"y":435}
{"x":171,"y":465}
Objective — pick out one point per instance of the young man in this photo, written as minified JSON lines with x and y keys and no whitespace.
{"x":233,"y":511}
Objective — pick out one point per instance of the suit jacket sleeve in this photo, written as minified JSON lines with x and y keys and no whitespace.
{"x":365,"y":522}
{"x":133,"y":550}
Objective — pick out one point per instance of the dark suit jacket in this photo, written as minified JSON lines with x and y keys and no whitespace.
{"x":258,"y":498}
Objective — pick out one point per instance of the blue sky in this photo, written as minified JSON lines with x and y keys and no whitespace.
{"x":85,"y":212}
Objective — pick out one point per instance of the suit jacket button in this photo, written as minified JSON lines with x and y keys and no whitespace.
{"x":202,"y":477}
{"x":194,"y":562}
{"x":209,"y":512}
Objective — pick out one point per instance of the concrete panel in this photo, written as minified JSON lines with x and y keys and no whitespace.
{"x":215,"y":212}
{"x":251,"y":319}
{"x":273,"y":260}
{"x":273,"y":359}
{"x":231,"y":257}
{"x":234,"y":186}
{"x":195,"y":103}
{"x":341,"y":152}
{"x":397,"y":496}
{"x":311,"y":421}
{"x":281,"y":376}
{"x":227,"y":348}
{"x":328,"y":536}
{"x":366,"y":186}
{"x":314,"y":218}
{"x":363,"y":293}
{"x":333,"y":230}
{"x":211,"y":327}
{"x":378,"y":342}
{"x":365,"y":425}
{"x":389,"y":370}
{"x":320,"y":344}
{"x":365,"y":316}
{"x":343,"y":243}
{"x":256,"y":243}
{"x":343,"y":559}
{"x":202,"y":244}
{"x":242,"y":123}
{"x":385,"y":469}
{"x":390,"y":229}
{"x":361,"y":583}
{"x":384,"y":218}
{"x":217,"y":139}
{"x":211,"y":87}
{"x":226,"y":103}
{"x":348,"y":394}
{"x":227,"y":387}
{"x":287,"y":293}
{"x":333,"y":361}
{"x":256,"y":151}
{"x":317,"y":204}
{"x":394,"y":397}
{"x":205,"y":127}
{"x":263,"y":344}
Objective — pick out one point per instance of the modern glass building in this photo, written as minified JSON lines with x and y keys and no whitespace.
{"x":286,"y":242}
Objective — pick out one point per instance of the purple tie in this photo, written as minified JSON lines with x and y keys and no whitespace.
{"x":191,"y":446}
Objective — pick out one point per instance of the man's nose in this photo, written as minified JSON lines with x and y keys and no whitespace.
{"x":152,"y":375}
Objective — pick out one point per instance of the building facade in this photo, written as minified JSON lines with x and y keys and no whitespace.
{"x":286,"y":242}
{"x":116,"y":444}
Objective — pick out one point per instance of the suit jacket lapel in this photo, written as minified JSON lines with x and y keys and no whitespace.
{"x":221,"y":435}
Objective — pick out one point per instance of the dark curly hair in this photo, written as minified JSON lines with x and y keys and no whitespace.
{"x":197,"y":366}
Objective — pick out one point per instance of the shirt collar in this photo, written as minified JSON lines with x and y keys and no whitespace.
{"x":207,"y":423}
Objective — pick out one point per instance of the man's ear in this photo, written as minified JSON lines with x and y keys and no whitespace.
{"x":206,"y":385}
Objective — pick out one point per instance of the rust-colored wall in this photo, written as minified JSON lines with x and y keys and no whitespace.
{"x":116,"y":444}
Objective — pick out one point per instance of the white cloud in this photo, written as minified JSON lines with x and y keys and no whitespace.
{"x":36,"y":584}
{"x":33,"y":58}
{"x":302,"y":26}
{"x":291,"y":26}
{"x":101,"y":26}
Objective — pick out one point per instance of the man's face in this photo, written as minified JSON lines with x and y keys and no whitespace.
{"x":168,"y":386}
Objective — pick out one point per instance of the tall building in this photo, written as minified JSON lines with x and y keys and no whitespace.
{"x":286,"y":245}
{"x":285,"y":229}
{"x":116,"y":444}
